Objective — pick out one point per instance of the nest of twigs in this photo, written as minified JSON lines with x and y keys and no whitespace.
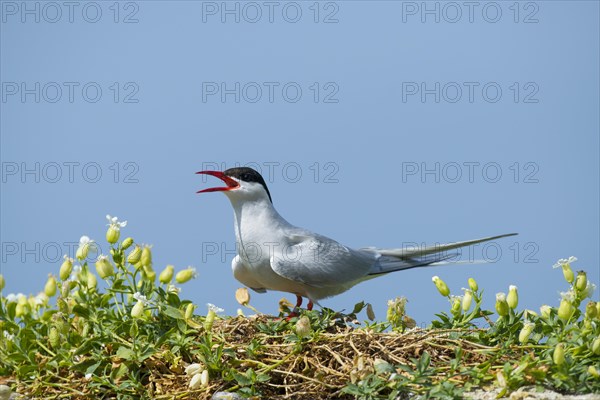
{"x":321,"y":367}
{"x":316,"y":367}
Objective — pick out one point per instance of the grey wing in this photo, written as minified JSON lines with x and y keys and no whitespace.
{"x":318,"y":261}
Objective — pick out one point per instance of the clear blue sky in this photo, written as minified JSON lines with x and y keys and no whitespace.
{"x":380,"y":124}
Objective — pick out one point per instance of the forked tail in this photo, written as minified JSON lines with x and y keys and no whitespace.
{"x":391,"y":260}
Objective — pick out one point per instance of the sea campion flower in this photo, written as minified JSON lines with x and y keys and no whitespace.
{"x":54,"y":337}
{"x":501,"y":304}
{"x":473,"y":284}
{"x":242,"y":296}
{"x":193,"y":369}
{"x":545,"y":311}
{"x":456,"y":302}
{"x":114,"y":229}
{"x":303,"y":326}
{"x":39,"y":300}
{"x":526,"y":332}
{"x":50,"y":287}
{"x":396,"y":310}
{"x":66,"y":268}
{"x":210,"y":317}
{"x":148,"y":273}
{"x":85,"y":245}
{"x":146,"y":257}
{"x":566,"y":309}
{"x":559,"y":354}
{"x":467,"y":299}
{"x":173,"y":289}
{"x":565,"y":264}
{"x":591,"y":310}
{"x":581,"y":281}
{"x":104,"y":267}
{"x":127,"y":243}
{"x":135,"y":255}
{"x":22,"y":307}
{"x":512,"y":299}
{"x":199,"y":379}
{"x":204,"y":378}
{"x":589,"y":290}
{"x":215,"y":309}
{"x":441,"y":286}
{"x":189,"y":310}
{"x":15,"y":298}
{"x":186,"y":275}
{"x":195,"y":382}
{"x":166,"y":275}
{"x":569,"y":295}
{"x":137,"y":310}
{"x":92,"y":282}
{"x":140,"y":297}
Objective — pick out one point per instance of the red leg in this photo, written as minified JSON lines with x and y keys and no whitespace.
{"x":298,"y":301}
{"x":309,"y":306}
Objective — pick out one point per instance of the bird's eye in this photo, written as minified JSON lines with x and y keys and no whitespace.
{"x":246,"y":177}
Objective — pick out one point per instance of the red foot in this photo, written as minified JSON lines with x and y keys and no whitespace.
{"x":295,"y":313}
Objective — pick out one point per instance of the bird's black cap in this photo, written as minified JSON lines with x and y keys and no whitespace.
{"x":247,"y":174}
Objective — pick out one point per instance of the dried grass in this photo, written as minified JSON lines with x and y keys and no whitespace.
{"x":317,"y":369}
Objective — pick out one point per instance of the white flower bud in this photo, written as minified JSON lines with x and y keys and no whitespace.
{"x":526,"y":332}
{"x":50,"y":287}
{"x":185,"y":275}
{"x":512,"y":299}
{"x":104,"y":268}
{"x":473,"y":284}
{"x":242,"y":296}
{"x":196,"y":382}
{"x":441,"y":286}
{"x":303,"y":326}
{"x":135,"y":255}
{"x":66,"y":268}
{"x":193,"y":369}
{"x":138,"y":309}
{"x":501,"y":304}
{"x":166,"y":275}
{"x":467,"y":300}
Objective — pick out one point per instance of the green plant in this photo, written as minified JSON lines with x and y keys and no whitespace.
{"x":118,"y":330}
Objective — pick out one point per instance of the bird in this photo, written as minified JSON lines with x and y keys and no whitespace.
{"x":274,"y":255}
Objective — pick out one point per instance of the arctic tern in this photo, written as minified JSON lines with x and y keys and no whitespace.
{"x":276,"y":255}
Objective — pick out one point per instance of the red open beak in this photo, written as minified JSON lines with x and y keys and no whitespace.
{"x":231,"y":183}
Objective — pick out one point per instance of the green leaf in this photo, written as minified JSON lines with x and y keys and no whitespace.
{"x":358,"y":307}
{"x":81,"y":311}
{"x":241,"y":379}
{"x":125,"y":353}
{"x":262,"y":378}
{"x":119,"y":372}
{"x":173,"y":312}
{"x":384,"y":367}
{"x":92,"y":368}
